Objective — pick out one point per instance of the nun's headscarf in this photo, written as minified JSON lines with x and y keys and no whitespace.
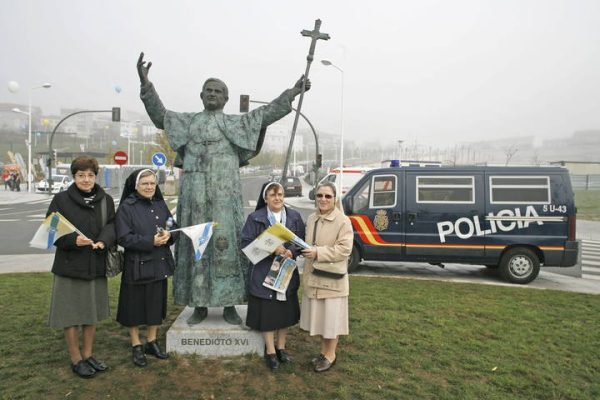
{"x":261,"y":202}
{"x":132,"y":182}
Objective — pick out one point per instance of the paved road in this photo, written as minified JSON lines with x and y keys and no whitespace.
{"x":21,"y":213}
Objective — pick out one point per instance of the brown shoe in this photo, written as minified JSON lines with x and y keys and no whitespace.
{"x":324,"y":364}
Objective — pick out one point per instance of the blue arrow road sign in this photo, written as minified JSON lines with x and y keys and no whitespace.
{"x":159,"y":159}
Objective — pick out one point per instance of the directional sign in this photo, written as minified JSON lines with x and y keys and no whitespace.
{"x":120,"y":157}
{"x":159,"y":159}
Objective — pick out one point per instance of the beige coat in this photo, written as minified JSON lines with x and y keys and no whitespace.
{"x":334,"y":243}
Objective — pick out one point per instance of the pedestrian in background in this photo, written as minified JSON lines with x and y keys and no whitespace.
{"x":5,"y":178}
{"x":80,"y":291}
{"x":141,"y":220}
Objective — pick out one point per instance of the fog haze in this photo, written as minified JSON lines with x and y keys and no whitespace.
{"x":433,"y":71}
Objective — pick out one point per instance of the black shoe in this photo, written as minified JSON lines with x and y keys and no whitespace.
{"x":138,"y":356}
{"x":99,"y":366}
{"x":154,"y":349}
{"x":230,"y":315}
{"x":271,"y":360}
{"x":324,"y":364}
{"x":283,"y":356}
{"x":83,"y":369}
{"x":199,"y":315}
{"x":318,"y":358}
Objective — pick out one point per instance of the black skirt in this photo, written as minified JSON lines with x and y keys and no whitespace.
{"x":269,"y":315}
{"x":144,"y":304}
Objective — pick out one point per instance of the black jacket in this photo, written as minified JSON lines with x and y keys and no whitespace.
{"x":82,"y":262}
{"x":136,"y":223}
{"x":257,"y":223}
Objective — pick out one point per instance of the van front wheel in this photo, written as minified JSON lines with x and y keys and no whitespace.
{"x":354,"y":260}
{"x":519,"y":265}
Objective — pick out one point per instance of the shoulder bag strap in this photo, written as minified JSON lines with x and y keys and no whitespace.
{"x":315,"y":233}
{"x":103,"y":210}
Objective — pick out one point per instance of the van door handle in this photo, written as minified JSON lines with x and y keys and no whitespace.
{"x":412,"y":217}
{"x":396,"y":216}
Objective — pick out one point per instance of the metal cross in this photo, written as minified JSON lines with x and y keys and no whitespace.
{"x":315,"y":35}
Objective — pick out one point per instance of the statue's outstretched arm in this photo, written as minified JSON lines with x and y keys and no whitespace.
{"x":143,"y":69}
{"x":154,"y":106}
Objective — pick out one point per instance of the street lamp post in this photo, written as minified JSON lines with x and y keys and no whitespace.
{"x":329,"y":63}
{"x":13,"y":87}
{"x":400,"y":151}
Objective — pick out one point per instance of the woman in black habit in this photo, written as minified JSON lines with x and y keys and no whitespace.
{"x":142,"y":224}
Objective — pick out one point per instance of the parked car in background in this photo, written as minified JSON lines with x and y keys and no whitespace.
{"x":292,"y":186}
{"x":59,"y":183}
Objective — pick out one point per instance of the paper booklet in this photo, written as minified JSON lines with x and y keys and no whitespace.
{"x":280,"y":274}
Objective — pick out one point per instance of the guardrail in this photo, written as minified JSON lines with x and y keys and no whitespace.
{"x":585,"y":182}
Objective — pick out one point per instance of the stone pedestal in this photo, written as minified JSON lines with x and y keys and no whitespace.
{"x":213,"y":336}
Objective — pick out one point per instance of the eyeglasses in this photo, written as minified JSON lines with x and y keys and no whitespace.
{"x":83,"y":176}
{"x":327,"y":196}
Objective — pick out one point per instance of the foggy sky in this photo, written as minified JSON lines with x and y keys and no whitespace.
{"x":433,"y":71}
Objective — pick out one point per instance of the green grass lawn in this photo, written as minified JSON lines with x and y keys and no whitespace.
{"x":410,"y":339}
{"x":588,"y":204}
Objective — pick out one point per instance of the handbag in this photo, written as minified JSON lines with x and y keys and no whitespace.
{"x":114,"y":262}
{"x":331,"y":270}
{"x":114,"y":257}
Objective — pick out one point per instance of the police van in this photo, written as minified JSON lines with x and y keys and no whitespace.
{"x":511,"y":218}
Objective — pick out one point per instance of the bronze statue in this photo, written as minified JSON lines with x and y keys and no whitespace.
{"x":211,"y":146}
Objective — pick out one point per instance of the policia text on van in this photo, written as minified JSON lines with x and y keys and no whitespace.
{"x":511,"y":218}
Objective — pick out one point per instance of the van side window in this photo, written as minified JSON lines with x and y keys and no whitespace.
{"x":520,"y":189}
{"x":360,"y":200}
{"x":445,"y":189}
{"x":384,"y":191}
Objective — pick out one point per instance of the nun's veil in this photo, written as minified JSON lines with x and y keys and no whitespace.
{"x":261,"y":203}
{"x":131,"y":181}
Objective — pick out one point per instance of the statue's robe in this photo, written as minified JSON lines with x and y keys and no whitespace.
{"x":211,"y":146}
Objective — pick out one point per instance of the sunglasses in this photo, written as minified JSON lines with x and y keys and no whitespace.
{"x":327,"y":196}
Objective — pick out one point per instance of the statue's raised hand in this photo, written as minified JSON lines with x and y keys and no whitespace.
{"x":143,"y":69}
{"x":298,"y":85}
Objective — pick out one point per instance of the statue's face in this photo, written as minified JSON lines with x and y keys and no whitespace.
{"x":213,"y":96}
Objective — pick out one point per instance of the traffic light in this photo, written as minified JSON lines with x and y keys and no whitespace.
{"x":116,"y":114}
{"x":244,"y":103}
{"x":319,"y":162}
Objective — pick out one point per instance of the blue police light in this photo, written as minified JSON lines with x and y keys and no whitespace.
{"x":394,"y":163}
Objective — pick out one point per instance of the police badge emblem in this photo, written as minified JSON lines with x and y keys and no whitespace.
{"x":381,"y":220}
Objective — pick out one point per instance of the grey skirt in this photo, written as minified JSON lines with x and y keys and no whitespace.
{"x":78,"y":302}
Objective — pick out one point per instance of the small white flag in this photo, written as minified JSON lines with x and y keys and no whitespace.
{"x":200,"y":236}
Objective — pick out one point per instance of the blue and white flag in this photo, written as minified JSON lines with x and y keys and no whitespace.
{"x":200,"y":236}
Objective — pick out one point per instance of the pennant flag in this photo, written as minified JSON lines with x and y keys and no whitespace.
{"x":52,"y":228}
{"x":266,"y":243}
{"x":200,"y":236}
{"x":262,"y":246}
{"x":280,"y":231}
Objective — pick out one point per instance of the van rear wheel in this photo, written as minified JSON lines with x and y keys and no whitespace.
{"x":519,"y":265}
{"x":353,"y":260}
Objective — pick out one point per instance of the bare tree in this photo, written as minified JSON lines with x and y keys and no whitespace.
{"x":509,"y":152}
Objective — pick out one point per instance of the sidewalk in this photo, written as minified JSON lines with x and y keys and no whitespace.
{"x":8,"y":197}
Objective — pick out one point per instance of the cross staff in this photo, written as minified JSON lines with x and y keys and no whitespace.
{"x":314,"y":35}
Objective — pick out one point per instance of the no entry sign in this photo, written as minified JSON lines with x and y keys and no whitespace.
{"x":120,"y":157}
